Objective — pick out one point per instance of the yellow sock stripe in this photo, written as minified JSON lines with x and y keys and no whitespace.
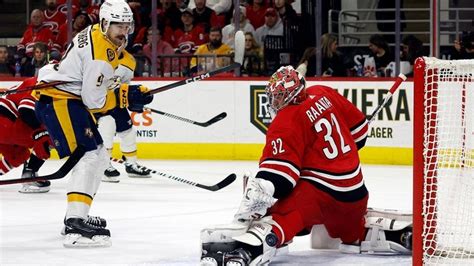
{"x":79,"y":197}
{"x":62,"y":112}
{"x":130,"y":154}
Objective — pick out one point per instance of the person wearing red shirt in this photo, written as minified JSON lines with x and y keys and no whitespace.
{"x":80,"y":22}
{"x":54,"y":18}
{"x":36,"y":31}
{"x":187,"y":38}
{"x":256,"y":13}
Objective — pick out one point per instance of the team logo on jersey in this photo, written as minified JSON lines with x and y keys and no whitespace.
{"x":88,"y":132}
{"x":259,"y":113}
{"x":110,"y":54}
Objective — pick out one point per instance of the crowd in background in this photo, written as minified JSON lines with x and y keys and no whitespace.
{"x":197,"y":36}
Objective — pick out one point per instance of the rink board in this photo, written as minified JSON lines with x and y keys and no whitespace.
{"x":241,"y":135}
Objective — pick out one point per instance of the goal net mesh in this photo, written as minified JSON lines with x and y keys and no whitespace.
{"x":448,"y":200}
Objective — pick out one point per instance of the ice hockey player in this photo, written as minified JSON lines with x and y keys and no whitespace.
{"x":118,"y":121}
{"x":309,"y":174}
{"x":21,"y":131}
{"x":66,"y":110}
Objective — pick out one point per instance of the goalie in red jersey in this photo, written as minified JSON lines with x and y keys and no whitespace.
{"x":309,"y":174}
{"x":21,"y":131}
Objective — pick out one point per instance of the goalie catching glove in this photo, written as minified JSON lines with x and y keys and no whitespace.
{"x":133,"y":97}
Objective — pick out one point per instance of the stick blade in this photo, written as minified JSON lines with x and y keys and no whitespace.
{"x":224,"y":183}
{"x":239,"y":47}
{"x":217,"y":118}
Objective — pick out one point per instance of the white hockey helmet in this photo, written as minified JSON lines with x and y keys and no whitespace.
{"x":115,"y":11}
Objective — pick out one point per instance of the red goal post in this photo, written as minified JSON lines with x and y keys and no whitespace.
{"x":443,"y":166}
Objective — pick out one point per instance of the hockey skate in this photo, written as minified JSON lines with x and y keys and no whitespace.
{"x":92,"y":220}
{"x":81,"y":234}
{"x":111,"y":175}
{"x":33,"y":187}
{"x":135,"y":170}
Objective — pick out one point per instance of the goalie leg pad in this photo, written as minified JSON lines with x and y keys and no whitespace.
{"x":260,"y":234}
{"x":387,"y":236}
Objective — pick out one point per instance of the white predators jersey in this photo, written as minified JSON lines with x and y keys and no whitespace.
{"x":126,"y":67}
{"x":89,"y":65}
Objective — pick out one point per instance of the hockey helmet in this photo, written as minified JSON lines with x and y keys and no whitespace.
{"x":286,"y":86}
{"x":115,"y":11}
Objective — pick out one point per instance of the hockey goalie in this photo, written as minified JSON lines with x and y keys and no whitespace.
{"x":309,"y":175}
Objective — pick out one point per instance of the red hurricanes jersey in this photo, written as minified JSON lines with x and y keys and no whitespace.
{"x":317,"y":141}
{"x":12,"y":103}
{"x":31,"y":36}
{"x":54,"y":20}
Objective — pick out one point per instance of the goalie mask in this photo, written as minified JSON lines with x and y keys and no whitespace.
{"x":286,"y":86}
{"x":116,"y":11}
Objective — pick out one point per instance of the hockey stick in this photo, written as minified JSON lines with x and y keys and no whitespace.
{"x":36,"y":87}
{"x":239,"y":50}
{"x":202,"y":124}
{"x":392,"y":90}
{"x":75,"y":156}
{"x":222,"y":184}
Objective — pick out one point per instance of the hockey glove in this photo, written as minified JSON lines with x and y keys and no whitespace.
{"x":258,"y":197}
{"x":135,"y":97}
{"x":41,"y":143}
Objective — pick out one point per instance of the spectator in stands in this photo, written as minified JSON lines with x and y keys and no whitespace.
{"x":256,"y":12}
{"x":253,"y":57}
{"x":286,"y":11}
{"x":332,"y":61}
{"x":36,"y":31}
{"x":40,"y":58}
{"x":206,"y":17}
{"x":188,"y":37}
{"x":54,"y":18}
{"x":273,"y":26}
{"x":81,"y":21}
{"x":381,"y":53}
{"x":213,"y":47}
{"x":169,"y":14}
{"x":219,"y":6}
{"x":412,"y":48}
{"x":464,"y":49}
{"x":6,"y":67}
{"x":92,"y":10}
{"x":228,"y":31}
{"x":162,"y":48}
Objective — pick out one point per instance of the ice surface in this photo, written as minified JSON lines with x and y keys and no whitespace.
{"x":157,"y":221}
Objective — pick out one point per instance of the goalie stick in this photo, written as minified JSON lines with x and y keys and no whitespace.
{"x":201,"y":124}
{"x":392,"y":90}
{"x":75,"y":156}
{"x":222,"y":184}
{"x":239,"y":50}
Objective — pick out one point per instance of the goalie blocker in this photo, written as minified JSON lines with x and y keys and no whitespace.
{"x":389,"y":232}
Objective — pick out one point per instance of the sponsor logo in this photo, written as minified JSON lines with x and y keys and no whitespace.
{"x":110,"y":54}
{"x":259,"y":113}
{"x":200,"y":77}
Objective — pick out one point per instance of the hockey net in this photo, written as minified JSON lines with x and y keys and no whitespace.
{"x":443,"y":162}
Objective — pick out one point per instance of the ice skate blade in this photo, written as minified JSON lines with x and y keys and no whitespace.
{"x":78,"y":241}
{"x":208,"y":261}
{"x":138,"y":176}
{"x":110,"y":180}
{"x":33,"y":189}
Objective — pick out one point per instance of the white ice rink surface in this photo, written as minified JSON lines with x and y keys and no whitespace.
{"x":156,"y":221}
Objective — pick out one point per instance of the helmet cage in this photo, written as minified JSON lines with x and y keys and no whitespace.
{"x":284,"y":87}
